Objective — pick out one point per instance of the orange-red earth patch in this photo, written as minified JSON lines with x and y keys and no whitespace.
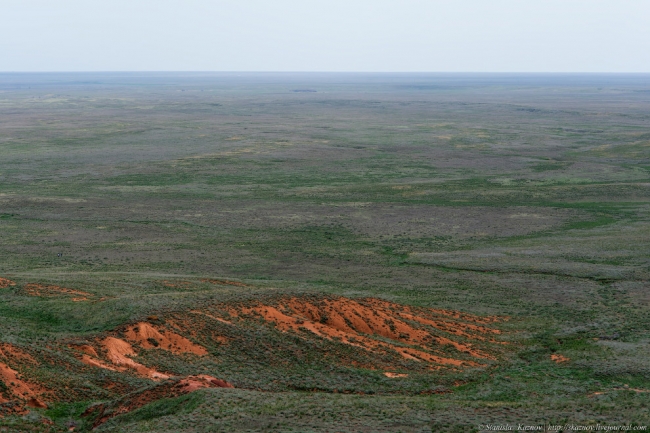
{"x":559,"y":358}
{"x":15,"y":386}
{"x":418,"y":339}
{"x":151,"y":337}
{"x":418,"y":334}
{"x":4,"y":283}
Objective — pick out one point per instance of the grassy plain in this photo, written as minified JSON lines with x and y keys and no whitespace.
{"x":518,"y":196}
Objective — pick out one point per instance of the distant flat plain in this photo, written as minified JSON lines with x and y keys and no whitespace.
{"x":519,"y":196}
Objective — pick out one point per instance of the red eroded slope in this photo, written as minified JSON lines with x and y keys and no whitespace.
{"x":119,"y":352}
{"x":417,"y":334}
{"x":149,"y":337}
{"x":369,"y":333}
{"x":16,"y":387}
{"x":20,"y":389}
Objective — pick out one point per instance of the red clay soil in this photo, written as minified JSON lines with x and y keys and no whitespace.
{"x":13,"y":353}
{"x":374,"y":325}
{"x":90,"y":357}
{"x":94,"y":362}
{"x":149,"y":337}
{"x":169,"y":389}
{"x":559,"y":358}
{"x":119,"y":352}
{"x":192,"y":383}
{"x":4,"y":283}
{"x":434,"y":339}
{"x":379,"y":317}
{"x":18,"y":389}
{"x":85,"y":348}
{"x":50,"y":291}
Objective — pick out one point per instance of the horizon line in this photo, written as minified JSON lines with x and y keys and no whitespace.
{"x":325,"y":72}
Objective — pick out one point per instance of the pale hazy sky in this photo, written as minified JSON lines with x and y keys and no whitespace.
{"x":325,"y":35}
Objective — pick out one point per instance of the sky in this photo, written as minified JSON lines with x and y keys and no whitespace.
{"x":325,"y":35}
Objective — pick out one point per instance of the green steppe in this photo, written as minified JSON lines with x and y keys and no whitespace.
{"x":521,"y":196}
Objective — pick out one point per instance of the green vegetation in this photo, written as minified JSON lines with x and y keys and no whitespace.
{"x":526,"y":197}
{"x":163,"y":408}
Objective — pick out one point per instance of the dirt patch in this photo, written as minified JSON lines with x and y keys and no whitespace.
{"x":116,"y":354}
{"x":559,"y":358}
{"x":149,"y":337}
{"x":94,"y":362}
{"x":85,"y":348}
{"x":50,"y":291}
{"x":18,"y":389}
{"x":192,"y":383}
{"x":119,"y":352}
{"x":4,"y":283}
{"x":89,"y":356}
{"x":11,"y":352}
{"x":219,"y":319}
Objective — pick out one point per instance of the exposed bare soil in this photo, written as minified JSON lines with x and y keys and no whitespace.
{"x":4,"y":283}
{"x":559,"y":358}
{"x":149,"y":337}
{"x":428,"y":338}
{"x":15,"y":386}
{"x":379,"y":326}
